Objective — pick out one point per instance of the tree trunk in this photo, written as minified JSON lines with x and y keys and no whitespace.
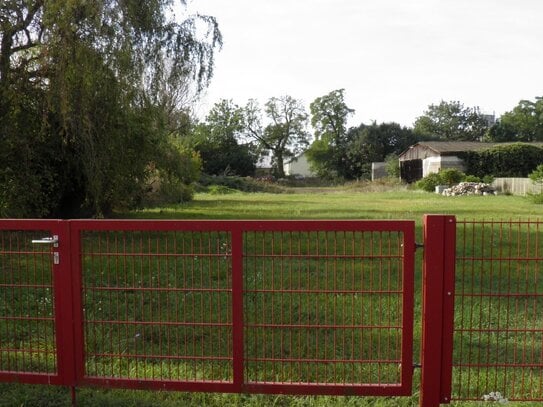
{"x":279,"y":165}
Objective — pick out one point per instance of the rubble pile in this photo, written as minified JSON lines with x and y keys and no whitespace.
{"x":470,"y":188}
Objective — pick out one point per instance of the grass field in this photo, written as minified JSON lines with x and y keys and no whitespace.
{"x":317,"y":203}
{"x":331,"y":203}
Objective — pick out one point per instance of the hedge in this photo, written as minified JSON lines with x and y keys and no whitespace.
{"x":512,"y":160}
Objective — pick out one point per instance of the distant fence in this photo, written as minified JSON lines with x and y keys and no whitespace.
{"x":516,"y":186}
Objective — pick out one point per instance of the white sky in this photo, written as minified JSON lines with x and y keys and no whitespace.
{"x":393,"y":57}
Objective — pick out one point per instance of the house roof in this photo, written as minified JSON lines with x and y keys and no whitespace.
{"x":452,"y":147}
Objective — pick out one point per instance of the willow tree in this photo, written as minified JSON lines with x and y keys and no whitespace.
{"x":89,"y":89}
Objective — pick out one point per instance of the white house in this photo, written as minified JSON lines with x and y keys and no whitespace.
{"x":299,"y":166}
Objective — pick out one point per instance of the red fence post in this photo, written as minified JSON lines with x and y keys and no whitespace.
{"x":437,"y":309}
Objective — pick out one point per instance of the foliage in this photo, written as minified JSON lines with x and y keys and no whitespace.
{"x":537,"y":177}
{"x":373,"y":143}
{"x":285,"y":136}
{"x":448,"y":176}
{"x":243,"y":184}
{"x":329,"y":114}
{"x":451,"y":121}
{"x":217,"y":141}
{"x":513,"y":160}
{"x":537,"y":174}
{"x":91,"y":89}
{"x":392,"y":165}
{"x":523,"y":123}
{"x":451,"y":176}
{"x":429,"y":183}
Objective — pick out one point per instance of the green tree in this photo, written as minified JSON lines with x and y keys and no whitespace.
{"x":93,"y":78}
{"x":523,"y":123}
{"x":329,"y":114}
{"x":451,"y":121}
{"x":218,"y":141}
{"x":373,"y":143}
{"x":285,"y":136}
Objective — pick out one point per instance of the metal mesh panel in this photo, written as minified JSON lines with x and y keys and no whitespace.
{"x":498,"y":332}
{"x":323,"y":307}
{"x":157,"y":305}
{"x":27,"y":333}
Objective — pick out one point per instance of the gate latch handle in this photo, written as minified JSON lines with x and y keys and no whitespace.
{"x":47,"y":240}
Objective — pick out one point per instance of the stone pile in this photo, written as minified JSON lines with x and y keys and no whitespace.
{"x":470,"y":188}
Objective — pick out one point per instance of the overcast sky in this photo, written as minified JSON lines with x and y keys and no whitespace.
{"x":392,"y":57}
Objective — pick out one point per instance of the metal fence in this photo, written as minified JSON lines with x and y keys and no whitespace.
{"x":498,"y":328}
{"x":305,"y":307}
{"x":297,"y":307}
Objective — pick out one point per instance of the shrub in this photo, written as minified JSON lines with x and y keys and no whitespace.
{"x":451,"y":176}
{"x":220,"y":190}
{"x":471,"y":178}
{"x":429,"y":182}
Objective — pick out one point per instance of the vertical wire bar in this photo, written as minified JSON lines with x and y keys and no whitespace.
{"x":168,"y":291}
{"x":508,"y":297}
{"x":498,"y":299}
{"x":128,"y":331}
{"x":290,"y":309}
{"x":237,"y":308}
{"x":282,"y":305}
{"x":177,"y":294}
{"x":524,"y":324}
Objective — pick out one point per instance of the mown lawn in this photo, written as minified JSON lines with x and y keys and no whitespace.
{"x":329,"y":203}
{"x":322,"y":203}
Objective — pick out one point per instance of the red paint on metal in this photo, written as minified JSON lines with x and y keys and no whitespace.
{"x":298,"y":307}
{"x":438,"y":294}
{"x":498,"y":330}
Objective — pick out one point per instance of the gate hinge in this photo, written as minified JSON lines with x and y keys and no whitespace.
{"x":419,"y":246}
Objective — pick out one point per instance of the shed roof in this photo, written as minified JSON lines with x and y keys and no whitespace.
{"x":449,"y":148}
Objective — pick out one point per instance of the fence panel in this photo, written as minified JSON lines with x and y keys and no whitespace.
{"x":328,"y":307}
{"x":156,"y":304}
{"x":498,"y":332}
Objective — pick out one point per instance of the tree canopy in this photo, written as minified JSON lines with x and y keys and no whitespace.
{"x":451,"y":121}
{"x":285,"y":135}
{"x":523,"y":123}
{"x":88,"y":92}
{"x":219,"y":140}
{"x":329,"y":114}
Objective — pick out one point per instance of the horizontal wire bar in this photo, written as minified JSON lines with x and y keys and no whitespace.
{"x":151,"y":254}
{"x":500,"y":365}
{"x":500,"y":295}
{"x":317,"y":360}
{"x":11,"y":318}
{"x":322,"y":326}
{"x":504,"y":330}
{"x":157,"y":323}
{"x":323,"y":256}
{"x":161,"y":289}
{"x":164,"y":357}
{"x":26,"y":286}
{"x":317,"y":291}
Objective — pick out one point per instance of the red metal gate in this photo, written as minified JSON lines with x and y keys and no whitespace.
{"x":304,"y":307}
{"x":35,"y":322}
